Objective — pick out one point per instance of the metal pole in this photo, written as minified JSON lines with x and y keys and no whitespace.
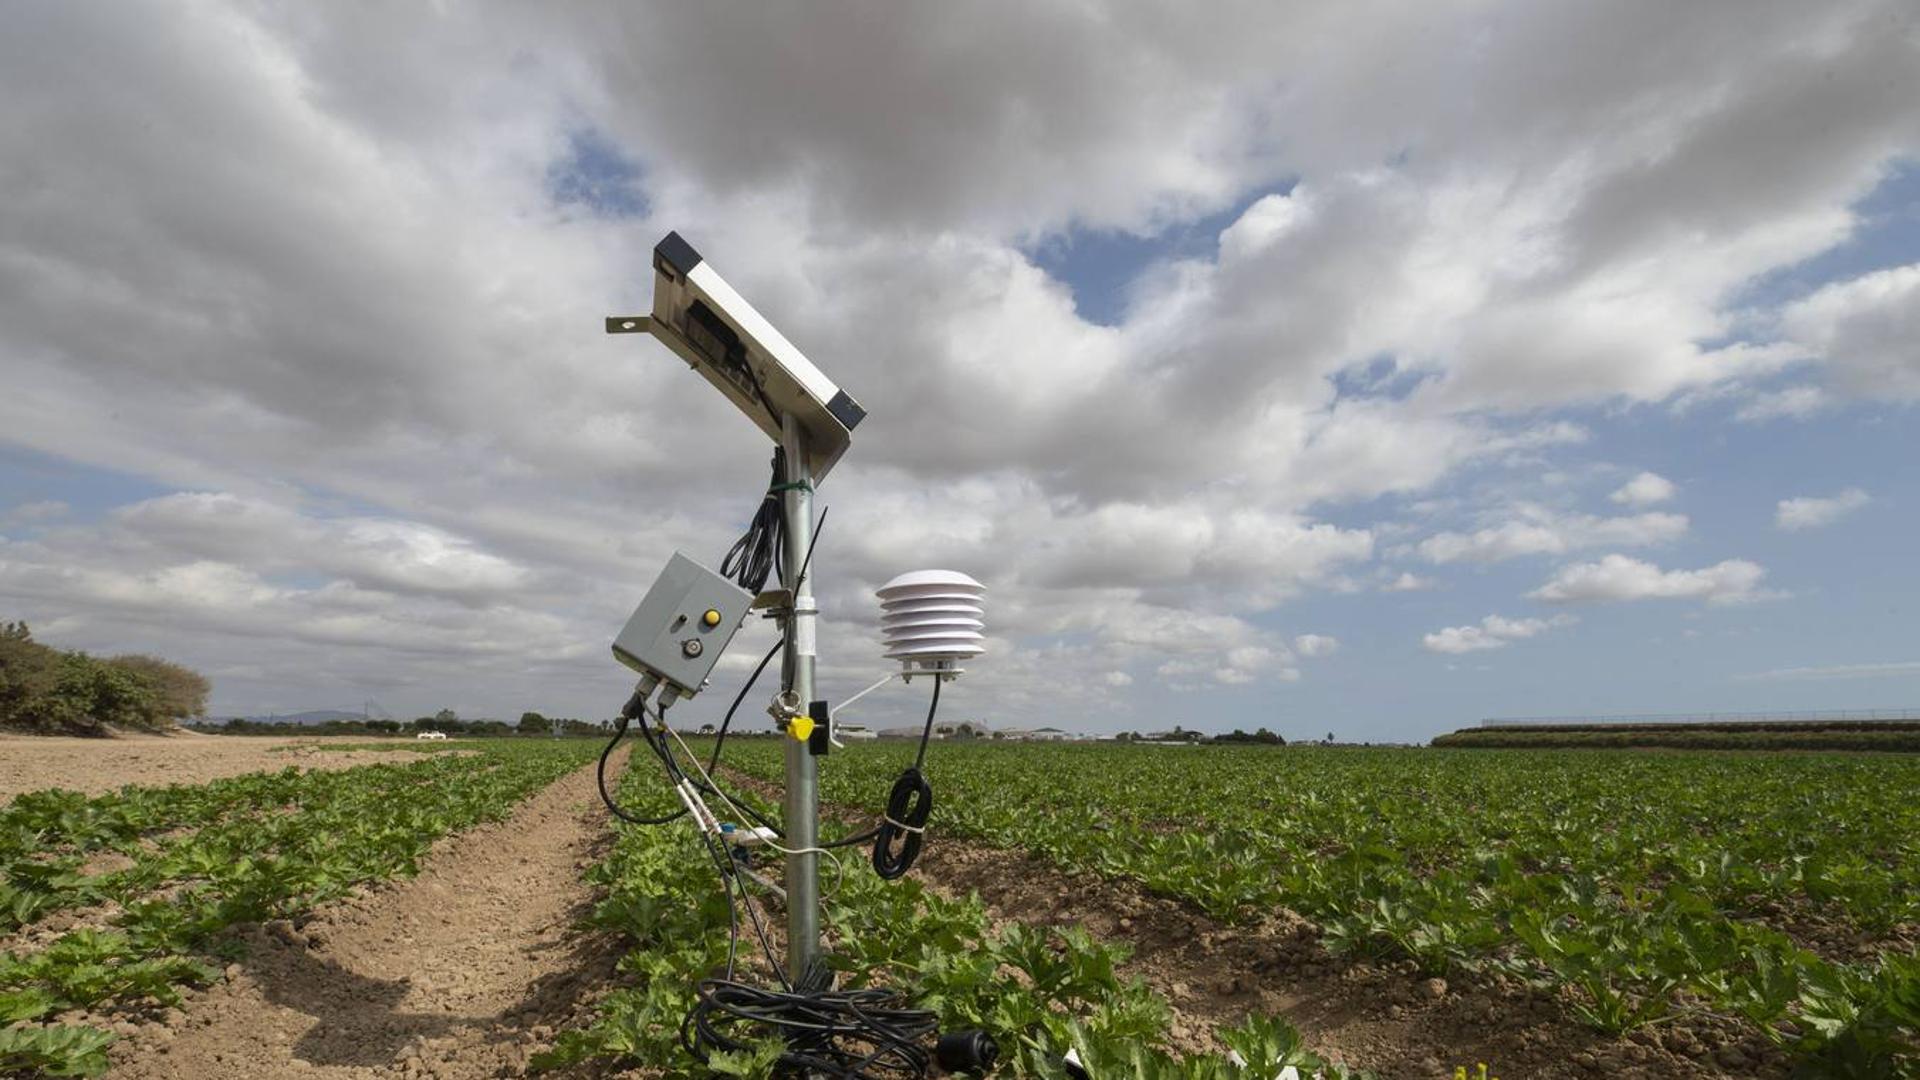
{"x":803,"y":793}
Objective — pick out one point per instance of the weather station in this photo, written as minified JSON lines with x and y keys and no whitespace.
{"x":932,"y":621}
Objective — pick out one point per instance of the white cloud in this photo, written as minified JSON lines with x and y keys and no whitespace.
{"x":1536,"y":531}
{"x":1895,"y":670}
{"x":1234,"y":667}
{"x":34,"y":513}
{"x":1492,"y":632}
{"x":1312,"y":646}
{"x":1253,"y":558}
{"x":1644,"y":490}
{"x":1812,"y":512}
{"x":1620,"y":578}
{"x":1408,"y":581}
{"x":1867,"y":330}
{"x":1791,"y":403}
{"x":365,"y":319}
{"x":370,"y":552}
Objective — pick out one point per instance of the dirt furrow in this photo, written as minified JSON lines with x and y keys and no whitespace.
{"x":1380,"y":1016}
{"x":462,"y":971}
{"x":1383,"y":1017}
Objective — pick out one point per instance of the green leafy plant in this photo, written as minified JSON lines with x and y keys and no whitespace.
{"x":58,"y":1050}
{"x":1638,"y":890}
{"x":1038,"y":991}
{"x":245,"y":849}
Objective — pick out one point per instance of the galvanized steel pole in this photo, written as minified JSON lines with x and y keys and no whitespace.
{"x":802,"y":810}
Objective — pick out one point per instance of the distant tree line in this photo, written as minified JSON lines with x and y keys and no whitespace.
{"x":60,"y":691}
{"x":240,"y":725}
{"x":532,"y":723}
{"x":1262,"y":737}
{"x":446,"y":720}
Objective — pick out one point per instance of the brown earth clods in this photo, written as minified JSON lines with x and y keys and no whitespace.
{"x":463,"y":971}
{"x":96,"y":766}
{"x":467,"y":969}
{"x":1386,"y":1018}
{"x":1383,"y":1017}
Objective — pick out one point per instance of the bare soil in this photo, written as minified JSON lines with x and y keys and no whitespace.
{"x":1387,"y":1018}
{"x":97,"y":766}
{"x":463,"y":971}
{"x":1384,"y":1017}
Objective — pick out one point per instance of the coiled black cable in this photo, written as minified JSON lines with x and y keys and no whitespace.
{"x":866,"y":1034}
{"x":761,"y":550}
{"x":903,"y":831}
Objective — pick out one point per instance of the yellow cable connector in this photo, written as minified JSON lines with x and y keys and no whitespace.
{"x":800,"y":727}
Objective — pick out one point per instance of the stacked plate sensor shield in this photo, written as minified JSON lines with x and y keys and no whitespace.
{"x":932,"y":621}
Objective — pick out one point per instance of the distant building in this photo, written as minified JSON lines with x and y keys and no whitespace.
{"x":1045,"y":734}
{"x":1177,"y":735}
{"x":854,"y":731}
{"x":944,"y":729}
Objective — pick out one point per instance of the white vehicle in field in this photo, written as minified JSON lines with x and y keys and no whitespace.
{"x":431,"y":735}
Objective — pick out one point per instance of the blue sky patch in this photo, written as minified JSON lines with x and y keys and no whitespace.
{"x":598,"y":176}
{"x":1100,"y":264}
{"x":1887,"y":234}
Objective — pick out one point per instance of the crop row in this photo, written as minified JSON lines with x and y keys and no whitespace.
{"x":1641,"y":888}
{"x":1038,"y":993}
{"x":203,"y":859}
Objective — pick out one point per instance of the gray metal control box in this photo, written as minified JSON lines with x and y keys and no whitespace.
{"x":683,"y":625}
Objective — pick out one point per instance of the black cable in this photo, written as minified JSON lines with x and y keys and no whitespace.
{"x":734,"y":798}
{"x":806,"y":560}
{"x":720,"y":737}
{"x":865,"y":1034}
{"x":716,"y":850}
{"x":600,"y":777}
{"x":926,"y":732}
{"x":636,"y":707}
{"x":719,"y":740}
{"x":861,"y":837}
{"x":760,"y":551}
{"x":908,"y":805}
{"x":903,"y":831}
{"x":722,"y":862}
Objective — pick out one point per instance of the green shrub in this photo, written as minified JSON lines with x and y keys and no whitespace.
{"x":51,"y":690}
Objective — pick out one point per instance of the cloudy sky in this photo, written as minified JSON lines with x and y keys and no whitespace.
{"x":1364,"y":367}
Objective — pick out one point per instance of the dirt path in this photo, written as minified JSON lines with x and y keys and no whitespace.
{"x":460,"y":972}
{"x":96,"y":766}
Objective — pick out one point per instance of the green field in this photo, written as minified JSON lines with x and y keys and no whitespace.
{"x":1774,"y":896}
{"x":198,"y":860}
{"x":1778,"y":892}
{"x":1039,"y":992}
